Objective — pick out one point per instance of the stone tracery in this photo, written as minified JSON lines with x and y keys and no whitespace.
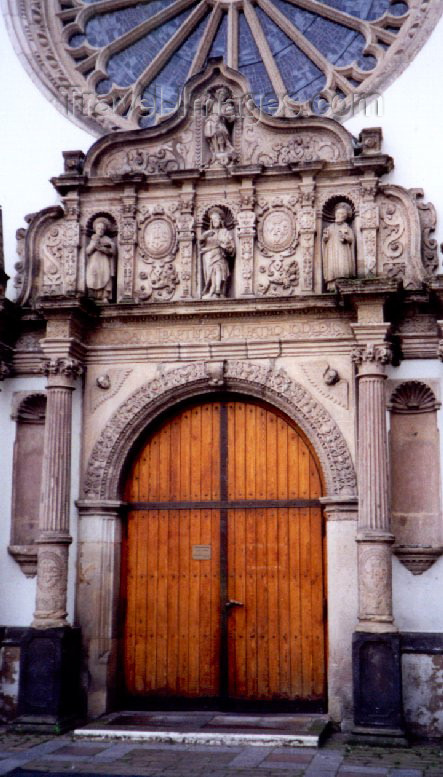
{"x":84,"y":53}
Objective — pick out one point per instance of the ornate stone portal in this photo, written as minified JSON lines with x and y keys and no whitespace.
{"x":224,"y":250}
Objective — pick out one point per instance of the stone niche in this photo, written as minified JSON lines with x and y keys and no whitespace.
{"x":220,"y":201}
{"x":415,"y":460}
{"x":29,"y":412}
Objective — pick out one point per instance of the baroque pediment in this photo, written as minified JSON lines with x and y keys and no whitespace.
{"x":222,"y":201}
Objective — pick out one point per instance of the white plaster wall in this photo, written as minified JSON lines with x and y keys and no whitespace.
{"x":34,"y":134}
{"x":418,"y":603}
{"x":17,"y":600}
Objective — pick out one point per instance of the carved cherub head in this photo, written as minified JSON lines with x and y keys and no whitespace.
{"x":343,"y":213}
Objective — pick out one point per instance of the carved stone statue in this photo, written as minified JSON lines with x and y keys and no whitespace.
{"x":101,"y":264}
{"x":219,"y":124}
{"x":339,"y":247}
{"x":216,"y":247}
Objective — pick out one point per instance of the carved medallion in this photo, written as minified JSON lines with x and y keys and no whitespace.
{"x":277,"y":231}
{"x":158,"y":237}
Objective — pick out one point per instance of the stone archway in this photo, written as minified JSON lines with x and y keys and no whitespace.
{"x":100,"y":526}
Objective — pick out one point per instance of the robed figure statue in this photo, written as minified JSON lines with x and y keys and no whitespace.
{"x":217,"y":246}
{"x":339,"y":247}
{"x":101,"y":265}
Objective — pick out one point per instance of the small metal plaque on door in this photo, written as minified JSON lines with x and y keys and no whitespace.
{"x":201,"y":552}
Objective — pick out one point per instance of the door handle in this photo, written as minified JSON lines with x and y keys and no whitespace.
{"x":233,"y":603}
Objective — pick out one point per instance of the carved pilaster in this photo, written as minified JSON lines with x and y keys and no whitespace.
{"x":369,"y":223}
{"x":306,"y":224}
{"x":127,"y":239}
{"x":185,"y":239}
{"x":54,"y":539}
{"x":374,"y":526}
{"x":71,"y":243}
{"x":246,"y":233}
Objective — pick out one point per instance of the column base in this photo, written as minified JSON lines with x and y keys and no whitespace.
{"x":49,"y":697}
{"x":378,"y":706}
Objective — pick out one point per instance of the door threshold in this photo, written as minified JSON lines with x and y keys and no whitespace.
{"x":210,"y":728}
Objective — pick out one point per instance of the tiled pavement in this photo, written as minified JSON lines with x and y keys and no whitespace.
{"x":62,"y":755}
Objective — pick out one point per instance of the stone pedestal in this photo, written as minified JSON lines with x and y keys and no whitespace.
{"x":376,"y":653}
{"x":49,"y":690}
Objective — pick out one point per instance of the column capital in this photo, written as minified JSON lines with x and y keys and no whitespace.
{"x":372,"y":357}
{"x":62,"y":371}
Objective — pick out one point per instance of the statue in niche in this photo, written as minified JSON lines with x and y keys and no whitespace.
{"x":339,"y":247}
{"x":101,"y":264}
{"x":217,"y":247}
{"x":219,"y":125}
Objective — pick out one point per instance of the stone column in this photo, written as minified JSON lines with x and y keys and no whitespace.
{"x":54,"y":537}
{"x":376,"y":643}
{"x":374,"y":522}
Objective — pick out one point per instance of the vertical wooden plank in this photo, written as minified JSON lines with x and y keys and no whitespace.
{"x":250,"y":432}
{"x":295,"y":604}
{"x":250,"y":600}
{"x":305,"y":563}
{"x":175,"y":458}
{"x":239,"y":453}
{"x":185,"y":460}
{"x":271,"y":456}
{"x":196,"y":453}
{"x":237,"y":651}
{"x":282,"y":458}
{"x":172,"y":600}
{"x":260,"y":453}
{"x":204,"y":621}
{"x":215,"y":452}
{"x":272,"y":637}
{"x":215,"y":603}
{"x":284,"y":603}
{"x":262,"y":607}
{"x":184,"y":584}
{"x":151,"y":601}
{"x":194,"y":606}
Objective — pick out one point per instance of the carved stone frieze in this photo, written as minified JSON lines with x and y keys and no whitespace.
{"x":131,"y":417}
{"x":153,"y":160}
{"x":263,"y":149}
{"x":278,"y":278}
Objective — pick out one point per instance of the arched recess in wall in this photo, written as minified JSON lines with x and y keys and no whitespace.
{"x":29,"y":412}
{"x":415,"y":459}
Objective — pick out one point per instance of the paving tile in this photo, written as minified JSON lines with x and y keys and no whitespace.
{"x":407,"y":772}
{"x":250,"y":756}
{"x":289,"y":757}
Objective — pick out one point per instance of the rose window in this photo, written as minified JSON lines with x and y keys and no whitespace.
{"x":122,"y":63}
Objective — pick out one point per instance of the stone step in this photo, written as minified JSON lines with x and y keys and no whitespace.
{"x":211,"y":728}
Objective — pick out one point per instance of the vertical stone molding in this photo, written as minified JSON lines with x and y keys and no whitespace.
{"x":99,"y":556}
{"x":374,"y":525}
{"x":54,"y":539}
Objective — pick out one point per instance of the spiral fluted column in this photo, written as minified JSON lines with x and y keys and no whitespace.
{"x":54,"y":538}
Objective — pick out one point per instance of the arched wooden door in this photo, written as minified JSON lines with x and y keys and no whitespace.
{"x":223,"y":565}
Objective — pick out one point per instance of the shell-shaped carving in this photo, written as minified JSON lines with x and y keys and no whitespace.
{"x":413,"y":397}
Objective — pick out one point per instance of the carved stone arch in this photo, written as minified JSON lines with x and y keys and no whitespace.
{"x":106,"y":464}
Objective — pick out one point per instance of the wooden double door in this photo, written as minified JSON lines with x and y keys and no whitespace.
{"x":223,"y":583}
